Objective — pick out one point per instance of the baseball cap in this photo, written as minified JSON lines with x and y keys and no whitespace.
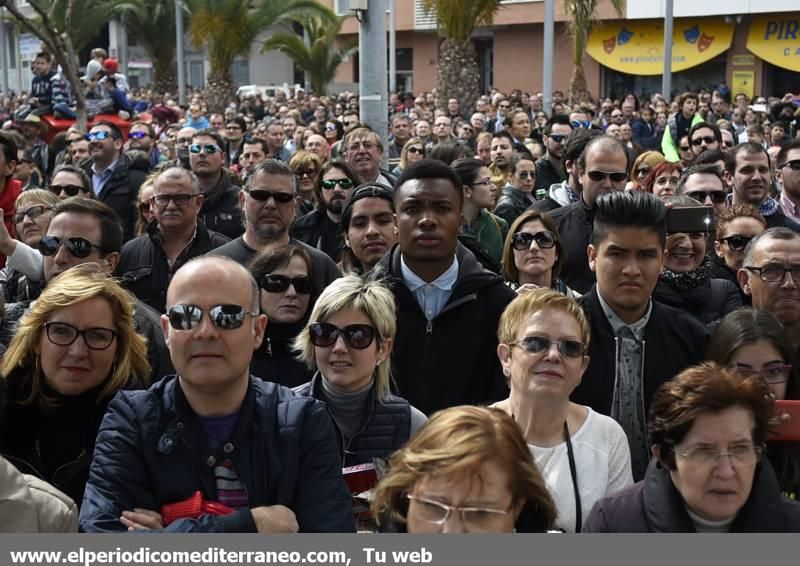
{"x":110,"y":65}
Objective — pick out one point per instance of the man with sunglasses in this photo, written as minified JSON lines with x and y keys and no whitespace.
{"x":735,"y":227}
{"x":114,"y":180}
{"x":704,"y":184}
{"x":269,"y":458}
{"x":550,"y":167}
{"x":142,"y":137}
{"x":220,"y":211}
{"x":704,"y":137}
{"x":787,"y":173}
{"x":148,"y":262}
{"x":568,"y":191}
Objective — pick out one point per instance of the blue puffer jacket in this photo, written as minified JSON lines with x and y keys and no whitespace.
{"x":152,"y":451}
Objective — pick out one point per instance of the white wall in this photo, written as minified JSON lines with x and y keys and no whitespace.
{"x":643,"y":9}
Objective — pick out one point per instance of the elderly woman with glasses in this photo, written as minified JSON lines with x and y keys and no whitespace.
{"x":71,"y":354}
{"x":348,"y":341}
{"x":467,"y":471}
{"x":706,"y":429}
{"x":582,"y":455}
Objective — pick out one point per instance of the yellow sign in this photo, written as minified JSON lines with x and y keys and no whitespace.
{"x":776,"y":38}
{"x":738,"y":60}
{"x":637,"y":47}
{"x":743,"y":82}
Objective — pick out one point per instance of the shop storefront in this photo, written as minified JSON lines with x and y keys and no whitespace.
{"x":631,"y":54}
{"x":775,"y":38}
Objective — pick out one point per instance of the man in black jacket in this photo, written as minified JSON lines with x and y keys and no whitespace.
{"x":637,"y":344}
{"x":448,"y":305}
{"x":114,"y":182}
{"x":149,"y":261}
{"x":220,"y":210}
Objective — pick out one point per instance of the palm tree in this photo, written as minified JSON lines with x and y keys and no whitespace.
{"x":229,"y":28}
{"x":321,"y":56}
{"x":583,"y":16}
{"x":457,"y":74}
{"x":154,"y":27}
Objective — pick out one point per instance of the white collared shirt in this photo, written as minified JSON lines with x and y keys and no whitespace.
{"x":433,"y":296}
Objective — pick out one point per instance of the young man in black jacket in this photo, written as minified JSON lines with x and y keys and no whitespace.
{"x":637,"y":344}
{"x":448,"y":305}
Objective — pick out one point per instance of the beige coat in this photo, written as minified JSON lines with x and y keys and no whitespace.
{"x":30,"y":505}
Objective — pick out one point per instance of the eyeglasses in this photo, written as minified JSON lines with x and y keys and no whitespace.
{"x":581,"y":124}
{"x":368,"y":146}
{"x":358,"y":336}
{"x":475,"y":519}
{"x":63,"y":334}
{"x":717,"y":197}
{"x":708,"y":139}
{"x":526,"y":174}
{"x":208,"y":149}
{"x":558,"y":138}
{"x":523,"y":240}
{"x":737,"y":242}
{"x":616,"y":177}
{"x":776,"y":273}
{"x":76,"y":246}
{"x":273,"y":283}
{"x":99,"y":136}
{"x":138,"y":135}
{"x":32,"y":213}
{"x":330,"y":184}
{"x":773,"y":374}
{"x":264,"y":196}
{"x":306,"y":173}
{"x":181,"y":199}
{"x":71,"y":190}
{"x":740,"y":454}
{"x":224,"y":317}
{"x":540,"y":344}
{"x":416,"y":150}
{"x":793,"y":165}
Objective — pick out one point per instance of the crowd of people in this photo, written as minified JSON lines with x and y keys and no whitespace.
{"x":215,"y":324}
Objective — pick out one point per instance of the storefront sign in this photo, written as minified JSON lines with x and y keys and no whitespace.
{"x":743,"y":60}
{"x":637,"y":47}
{"x":743,"y":82}
{"x":776,"y":39}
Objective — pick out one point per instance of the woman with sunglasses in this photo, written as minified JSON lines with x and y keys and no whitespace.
{"x":533,"y":254}
{"x":334,"y":131}
{"x":73,"y":351}
{"x":145,"y":210}
{"x":306,"y":167}
{"x":288,"y":290}
{"x":348,"y":342}
{"x":754,"y":342}
{"x":736,"y":226}
{"x":369,"y":227}
{"x":642,"y":167}
{"x":413,"y":151}
{"x":582,"y":455}
{"x":69,"y":181}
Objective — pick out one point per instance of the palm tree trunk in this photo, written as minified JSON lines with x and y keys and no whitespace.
{"x":219,"y":90}
{"x":164,"y":79}
{"x":458,"y":75}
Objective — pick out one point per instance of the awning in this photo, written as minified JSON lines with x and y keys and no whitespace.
{"x":637,"y":47}
{"x":776,"y":38}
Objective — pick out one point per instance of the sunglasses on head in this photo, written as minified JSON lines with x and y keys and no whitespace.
{"x":358,"y":336}
{"x":32,"y":213}
{"x":616,"y":177}
{"x":330,"y":184}
{"x":224,"y":317}
{"x":708,"y":139}
{"x":138,"y":135}
{"x":264,"y":196}
{"x":540,"y":344}
{"x":717,"y":197}
{"x":99,"y":136}
{"x":273,"y":283}
{"x":737,"y":242}
{"x":76,"y":246}
{"x":208,"y":149}
{"x":523,"y":240}
{"x":71,"y":190}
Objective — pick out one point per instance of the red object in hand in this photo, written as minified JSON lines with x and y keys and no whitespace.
{"x":191,"y":508}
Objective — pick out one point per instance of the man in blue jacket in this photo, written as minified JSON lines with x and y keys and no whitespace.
{"x":213,"y":435}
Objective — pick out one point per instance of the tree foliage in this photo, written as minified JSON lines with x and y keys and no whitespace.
{"x":154,"y":28}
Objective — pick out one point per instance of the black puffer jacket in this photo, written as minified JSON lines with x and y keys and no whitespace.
{"x":452,"y":359}
{"x":720,"y":270}
{"x":574,"y":224}
{"x":512,"y":203}
{"x":708,"y":302}
{"x":275,"y":360}
{"x":221,"y":212}
{"x":320,"y":232}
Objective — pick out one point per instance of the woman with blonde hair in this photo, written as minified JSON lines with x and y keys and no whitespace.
{"x":145,"y":211}
{"x":464,"y":454}
{"x":72,"y":352}
{"x":306,"y":167}
{"x":413,"y":151}
{"x":348,"y":341}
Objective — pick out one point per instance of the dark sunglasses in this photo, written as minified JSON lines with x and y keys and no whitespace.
{"x":523,"y":240}
{"x":273,"y":283}
{"x":71,"y":190}
{"x":99,"y":136}
{"x":685,"y":148}
{"x":181,"y":199}
{"x":708,"y":139}
{"x":540,"y":344}
{"x":32,"y":213}
{"x":208,"y":149}
{"x":358,"y":336}
{"x":144,"y":206}
{"x":310,"y":173}
{"x":581,"y":124}
{"x":264,"y":196}
{"x":526,"y":174}
{"x":76,"y":246}
{"x":138,"y":135}
{"x":330,"y":184}
{"x":793,"y":165}
{"x":416,"y":150}
{"x":558,"y":138}
{"x":224,"y":317}
{"x":616,"y":177}
{"x":737,"y":242}
{"x":717,"y":197}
